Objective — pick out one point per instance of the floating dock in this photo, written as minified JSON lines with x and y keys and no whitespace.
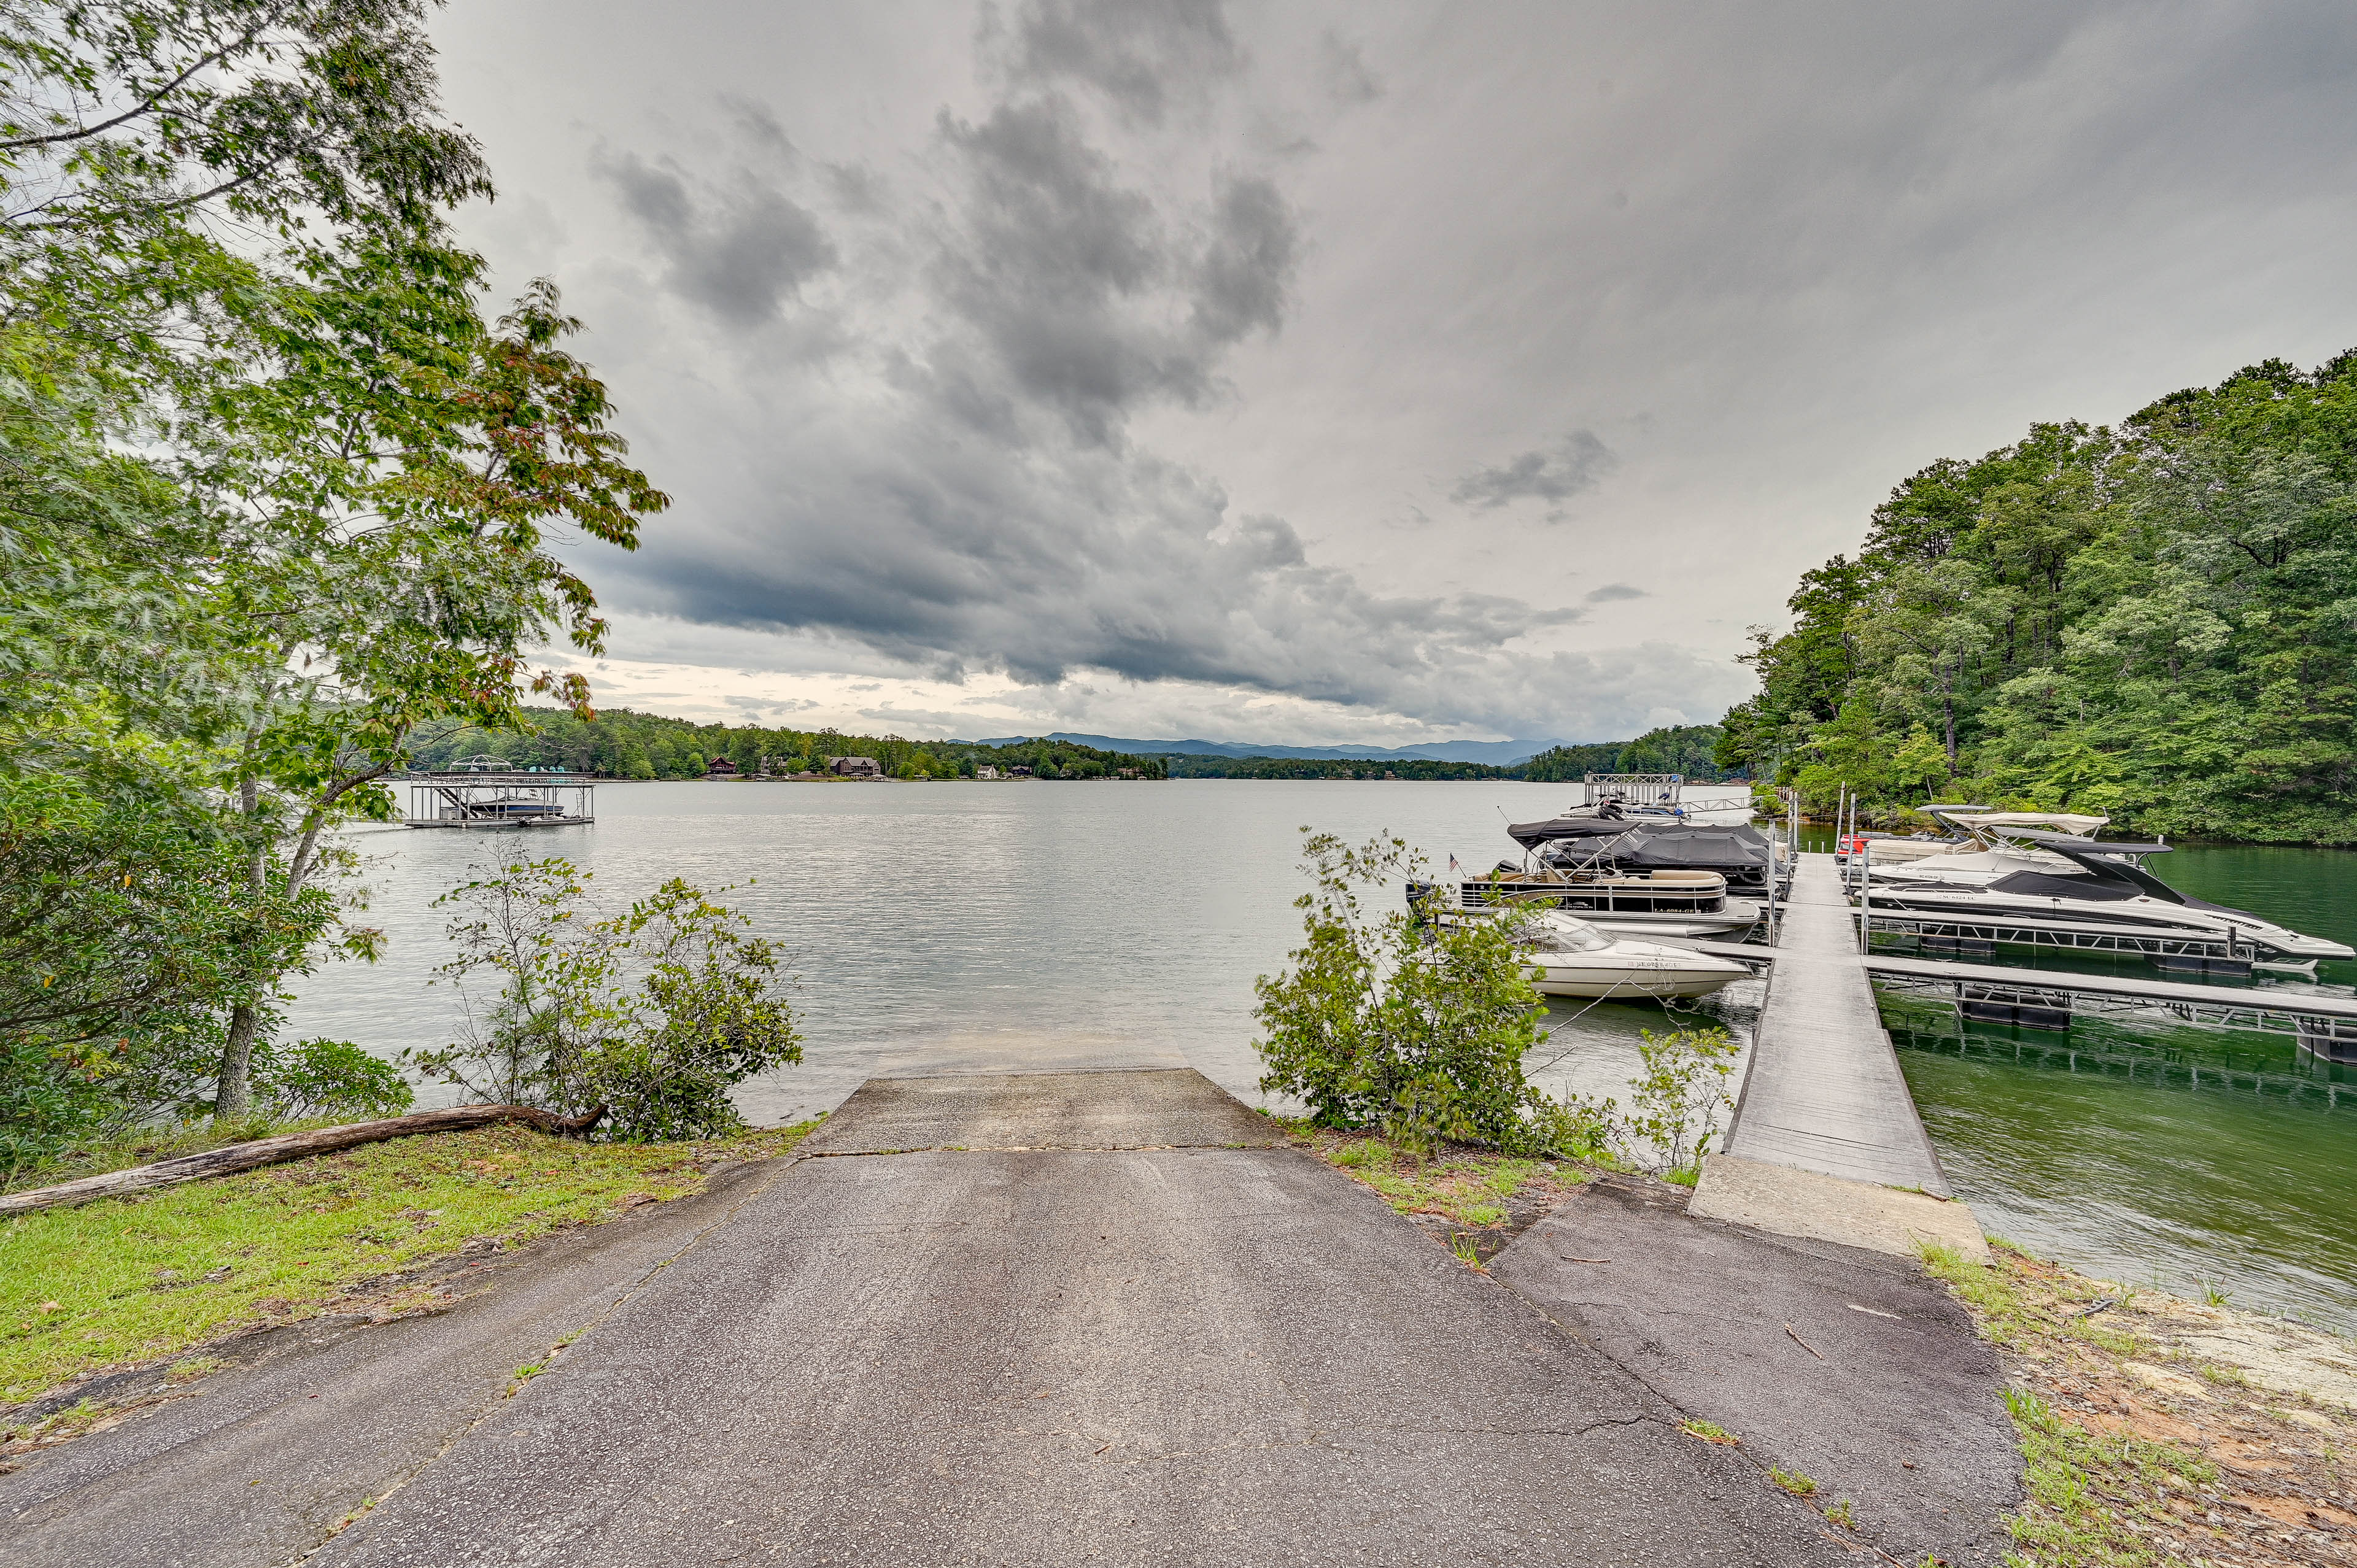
{"x":1823,"y":1091}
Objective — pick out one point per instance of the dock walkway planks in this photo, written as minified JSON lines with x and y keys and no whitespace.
{"x":1824,"y":1092}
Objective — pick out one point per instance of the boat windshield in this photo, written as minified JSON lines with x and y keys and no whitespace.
{"x":1561,"y":934}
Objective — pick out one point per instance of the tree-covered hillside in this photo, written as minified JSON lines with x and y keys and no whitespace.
{"x":621,"y":744}
{"x":2158,"y":623}
{"x":1690,"y":749}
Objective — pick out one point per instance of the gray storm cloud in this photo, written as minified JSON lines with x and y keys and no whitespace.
{"x":1144,"y":56}
{"x":740,"y":254}
{"x":1232,"y":348}
{"x":984,"y":506}
{"x":1573,"y":466}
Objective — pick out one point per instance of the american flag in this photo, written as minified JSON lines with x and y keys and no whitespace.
{"x":1455,"y":869}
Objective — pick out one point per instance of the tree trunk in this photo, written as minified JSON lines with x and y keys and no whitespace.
{"x":233,"y":1092}
{"x":288,"y":1146}
{"x":1948,"y":710}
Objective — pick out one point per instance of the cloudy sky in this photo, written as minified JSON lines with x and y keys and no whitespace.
{"x":1356,"y":374}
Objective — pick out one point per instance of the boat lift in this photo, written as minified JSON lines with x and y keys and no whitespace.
{"x":484,"y":797}
{"x":2325,"y":1027}
{"x":1632,"y":789}
{"x":1976,"y":936}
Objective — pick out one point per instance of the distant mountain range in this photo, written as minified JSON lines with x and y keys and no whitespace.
{"x":1496,"y":753}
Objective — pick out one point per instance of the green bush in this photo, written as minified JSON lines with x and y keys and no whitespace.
{"x":656,"y":1013}
{"x":1416,"y":1027}
{"x":327,"y":1078}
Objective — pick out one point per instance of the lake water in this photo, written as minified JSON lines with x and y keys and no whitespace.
{"x":1003,"y":927}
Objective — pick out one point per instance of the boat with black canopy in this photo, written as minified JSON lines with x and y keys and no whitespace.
{"x":2027,"y":878}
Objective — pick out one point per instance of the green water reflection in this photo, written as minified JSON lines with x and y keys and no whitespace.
{"x":2188,"y":1157}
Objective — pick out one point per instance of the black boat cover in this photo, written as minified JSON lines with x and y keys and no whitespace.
{"x":1604,"y":823}
{"x":1694,"y":848}
{"x":1639,"y":845}
{"x":2040,"y":884}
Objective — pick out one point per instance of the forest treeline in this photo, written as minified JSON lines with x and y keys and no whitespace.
{"x":621,"y":744}
{"x":2158,"y":623}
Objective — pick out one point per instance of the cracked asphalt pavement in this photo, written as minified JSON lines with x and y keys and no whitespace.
{"x":982,"y":1352}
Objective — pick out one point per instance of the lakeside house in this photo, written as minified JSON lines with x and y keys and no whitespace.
{"x":986,"y":771}
{"x":720,"y":768}
{"x":855,"y":767}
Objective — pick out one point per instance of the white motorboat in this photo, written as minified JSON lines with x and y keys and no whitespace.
{"x":1570,"y":957}
{"x":1979,"y":842}
{"x":2013,"y":874}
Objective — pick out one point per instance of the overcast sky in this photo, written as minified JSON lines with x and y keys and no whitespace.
{"x":1371,"y":374}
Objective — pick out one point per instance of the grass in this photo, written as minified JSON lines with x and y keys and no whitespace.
{"x":1473,"y":1199}
{"x":1793,"y":1481}
{"x":1709,"y":1432}
{"x":145,"y":1145}
{"x":2136,"y":1451}
{"x":1467,"y":1187}
{"x":131,"y":1281}
{"x":2085,"y":1490}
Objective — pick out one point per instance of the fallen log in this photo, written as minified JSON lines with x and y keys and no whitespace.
{"x":234,"y":1158}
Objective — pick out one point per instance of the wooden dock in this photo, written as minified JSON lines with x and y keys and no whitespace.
{"x":1823,"y":1091}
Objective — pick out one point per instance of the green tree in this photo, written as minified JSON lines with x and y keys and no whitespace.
{"x":383,"y":502}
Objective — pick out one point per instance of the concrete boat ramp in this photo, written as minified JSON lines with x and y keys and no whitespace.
{"x":1084,"y":1317}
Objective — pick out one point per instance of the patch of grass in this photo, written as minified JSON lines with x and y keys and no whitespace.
{"x":1841,"y":1514}
{"x":2127,"y":1464}
{"x":1709,"y":1432}
{"x":1462,"y":1187}
{"x":133,"y":1280}
{"x":1684,"y":1176}
{"x":2085,"y":1490}
{"x":1793,"y":1481}
{"x":2021,"y":1302}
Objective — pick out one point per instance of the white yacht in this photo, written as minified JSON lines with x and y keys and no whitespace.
{"x":2008,"y":872}
{"x":1570,"y":957}
{"x":1972,"y":832}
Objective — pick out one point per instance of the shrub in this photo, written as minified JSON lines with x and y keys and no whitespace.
{"x":707,"y":1015}
{"x":1677,"y":1102}
{"x":1415,"y":1027}
{"x":656,"y":1013}
{"x":327,"y":1078}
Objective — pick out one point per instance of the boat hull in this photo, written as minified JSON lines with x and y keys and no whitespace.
{"x":1630,"y":980}
{"x":2149,"y":919}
